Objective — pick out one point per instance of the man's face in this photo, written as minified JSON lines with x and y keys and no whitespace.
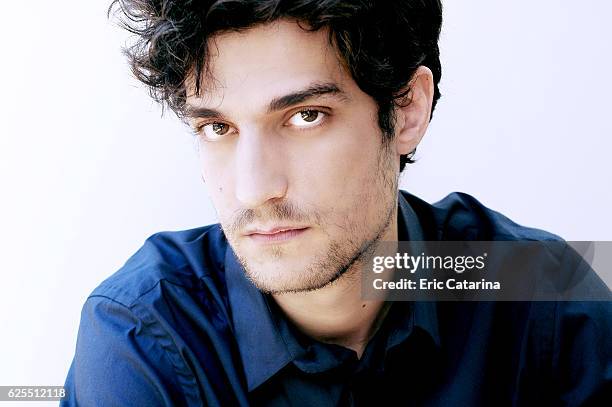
{"x":287,"y":140}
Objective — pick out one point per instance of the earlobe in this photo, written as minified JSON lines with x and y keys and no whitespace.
{"x":413,"y":116}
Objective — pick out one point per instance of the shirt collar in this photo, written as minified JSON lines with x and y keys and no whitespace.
{"x":424,"y":313}
{"x":262,"y":348}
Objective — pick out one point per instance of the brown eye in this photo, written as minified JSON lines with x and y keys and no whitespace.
{"x":215,"y":131}
{"x":307,"y":118}
{"x":220,"y":128}
{"x":309,"y":115}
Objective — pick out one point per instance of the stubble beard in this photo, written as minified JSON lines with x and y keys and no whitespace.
{"x":342,"y":259}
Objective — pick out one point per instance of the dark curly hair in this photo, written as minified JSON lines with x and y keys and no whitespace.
{"x":381,"y":43}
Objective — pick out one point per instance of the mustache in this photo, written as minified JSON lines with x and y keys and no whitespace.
{"x":273,"y":213}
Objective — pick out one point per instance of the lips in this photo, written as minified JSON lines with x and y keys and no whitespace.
{"x":272,"y":230}
{"x":276,"y":234}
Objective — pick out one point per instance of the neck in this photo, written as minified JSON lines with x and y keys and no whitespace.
{"x":337,"y":313}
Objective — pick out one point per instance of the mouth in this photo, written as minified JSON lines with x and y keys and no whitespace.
{"x":278,"y":234}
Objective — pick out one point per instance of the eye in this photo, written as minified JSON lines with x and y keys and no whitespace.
{"x":307,"y":118}
{"x":214,"y":131}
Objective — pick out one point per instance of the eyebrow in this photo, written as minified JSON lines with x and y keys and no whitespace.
{"x":279,"y":103}
{"x":318,"y":89}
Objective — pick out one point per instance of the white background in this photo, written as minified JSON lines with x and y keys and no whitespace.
{"x":89,"y":168}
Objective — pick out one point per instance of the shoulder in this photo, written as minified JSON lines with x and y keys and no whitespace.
{"x":183,"y":259}
{"x":460,"y":216}
{"x":150,"y":333}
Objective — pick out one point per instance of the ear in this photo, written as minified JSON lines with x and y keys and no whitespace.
{"x":412,"y":116}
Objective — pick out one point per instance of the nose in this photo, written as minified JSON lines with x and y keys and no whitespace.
{"x":260,"y":169}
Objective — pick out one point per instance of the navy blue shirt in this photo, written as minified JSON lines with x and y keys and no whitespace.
{"x":180,"y":325}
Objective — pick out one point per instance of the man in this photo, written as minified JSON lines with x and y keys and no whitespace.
{"x":305,"y":115}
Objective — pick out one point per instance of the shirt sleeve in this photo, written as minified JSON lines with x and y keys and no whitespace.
{"x":117,"y":362}
{"x":582,"y":359}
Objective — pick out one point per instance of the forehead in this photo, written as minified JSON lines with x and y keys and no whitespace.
{"x":249,"y":68}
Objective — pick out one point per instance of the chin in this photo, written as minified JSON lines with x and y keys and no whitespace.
{"x":275,"y":275}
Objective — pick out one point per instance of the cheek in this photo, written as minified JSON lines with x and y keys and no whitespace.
{"x":343,"y":162}
{"x":217,"y":179}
